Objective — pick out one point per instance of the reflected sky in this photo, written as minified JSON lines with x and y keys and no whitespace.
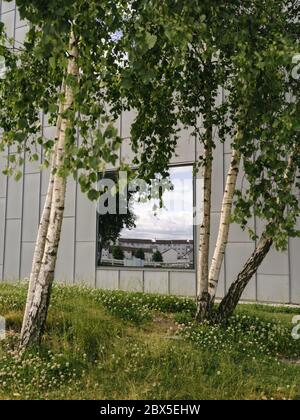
{"x":175,"y":220}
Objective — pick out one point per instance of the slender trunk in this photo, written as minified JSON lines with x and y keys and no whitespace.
{"x":39,"y":249}
{"x":224,"y":226}
{"x":232,"y":298}
{"x":203,"y":301}
{"x":42,"y":234}
{"x":34,"y":323}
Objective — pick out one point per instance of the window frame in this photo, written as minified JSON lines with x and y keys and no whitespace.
{"x":156,"y":269}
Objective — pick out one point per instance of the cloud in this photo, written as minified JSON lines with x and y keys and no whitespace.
{"x":175,"y":221}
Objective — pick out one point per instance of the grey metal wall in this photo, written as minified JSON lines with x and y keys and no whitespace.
{"x":21,"y":203}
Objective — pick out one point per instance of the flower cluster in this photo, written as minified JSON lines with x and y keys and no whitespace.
{"x":12,"y":301}
{"x":29,"y":375}
{"x":125,"y":306}
{"x":138,"y":307}
{"x":246,"y":335}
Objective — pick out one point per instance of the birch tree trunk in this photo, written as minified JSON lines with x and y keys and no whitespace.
{"x":35,"y":318}
{"x":232,"y":298}
{"x":42,"y":233}
{"x":39,"y":249}
{"x":203,"y":300}
{"x":224,"y":226}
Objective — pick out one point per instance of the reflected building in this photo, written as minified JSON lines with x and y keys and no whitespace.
{"x":174,"y":252}
{"x":166,"y":229}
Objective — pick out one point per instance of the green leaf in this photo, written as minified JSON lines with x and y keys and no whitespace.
{"x":52,"y":62}
{"x":93,"y":195}
{"x":150,"y":40}
{"x":18,"y":175}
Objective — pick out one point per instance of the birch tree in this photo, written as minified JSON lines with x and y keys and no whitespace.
{"x":62,"y":70}
{"x":272,"y":160}
{"x":35,"y":319}
{"x":274,"y":196}
{"x":241,"y":47}
{"x":179,"y":81}
{"x":266,"y":240}
{"x":225,"y":220}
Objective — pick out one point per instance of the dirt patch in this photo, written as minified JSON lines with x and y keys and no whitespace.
{"x":165,"y":324}
{"x":293,"y":362}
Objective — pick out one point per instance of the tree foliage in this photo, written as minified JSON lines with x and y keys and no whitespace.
{"x":59,"y":72}
{"x":190,"y":51}
{"x":111,"y":225}
{"x":140,"y":254}
{"x":34,"y":76}
{"x":118,"y":253}
{"x":222,"y":69}
{"x":157,"y":257}
{"x":225,"y":71}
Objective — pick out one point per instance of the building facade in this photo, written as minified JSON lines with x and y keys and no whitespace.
{"x":21,"y":203}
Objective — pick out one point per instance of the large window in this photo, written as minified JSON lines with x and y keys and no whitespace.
{"x":151,"y":233}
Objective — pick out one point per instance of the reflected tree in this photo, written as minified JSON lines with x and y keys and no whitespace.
{"x":157,"y":257}
{"x":111,"y":225}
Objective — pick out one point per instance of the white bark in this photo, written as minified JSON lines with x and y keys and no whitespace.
{"x":204,"y":236}
{"x":203,"y":260}
{"x":35,"y":318}
{"x":42,"y":234}
{"x":232,"y":298}
{"x":225,"y":221}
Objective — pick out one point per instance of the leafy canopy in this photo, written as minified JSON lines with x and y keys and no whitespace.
{"x":225,"y":66}
{"x":36,"y":71}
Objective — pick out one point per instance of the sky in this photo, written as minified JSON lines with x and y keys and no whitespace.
{"x":173,"y":222}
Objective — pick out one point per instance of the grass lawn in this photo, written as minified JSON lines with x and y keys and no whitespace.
{"x":114,"y":345}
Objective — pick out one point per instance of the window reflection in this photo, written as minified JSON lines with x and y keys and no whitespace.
{"x":151,"y":235}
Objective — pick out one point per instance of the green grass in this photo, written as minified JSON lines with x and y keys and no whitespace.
{"x":114,"y":345}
